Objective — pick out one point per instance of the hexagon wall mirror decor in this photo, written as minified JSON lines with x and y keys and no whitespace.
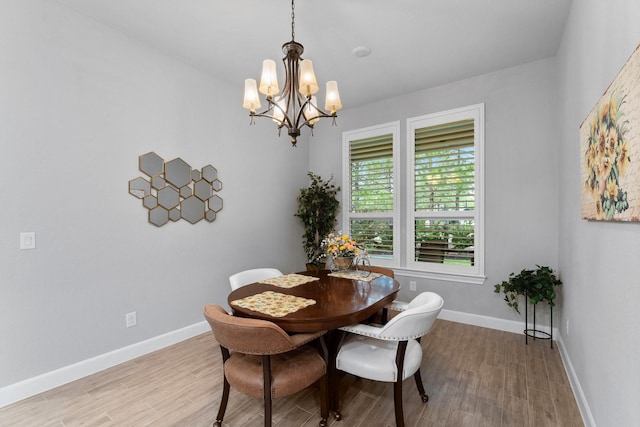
{"x":173,"y":190}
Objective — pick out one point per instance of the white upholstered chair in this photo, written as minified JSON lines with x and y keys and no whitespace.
{"x":392,"y":352}
{"x":251,"y":276}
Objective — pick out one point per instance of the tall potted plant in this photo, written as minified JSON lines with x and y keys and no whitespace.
{"x":317,"y":208}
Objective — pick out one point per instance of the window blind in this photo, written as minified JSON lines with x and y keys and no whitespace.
{"x":445,"y":167}
{"x":371,"y":161}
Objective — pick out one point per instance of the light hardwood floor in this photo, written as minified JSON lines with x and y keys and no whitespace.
{"x":474,"y":377}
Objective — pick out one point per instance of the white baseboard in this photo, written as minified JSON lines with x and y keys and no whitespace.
{"x":49,"y":380}
{"x":514,"y":326}
{"x":583,"y":405}
{"x":32,"y":386}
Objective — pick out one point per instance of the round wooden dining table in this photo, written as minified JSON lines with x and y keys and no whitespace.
{"x":338,"y":301}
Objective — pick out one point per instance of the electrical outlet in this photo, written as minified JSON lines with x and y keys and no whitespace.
{"x":131,"y":319}
{"x":412,"y":285}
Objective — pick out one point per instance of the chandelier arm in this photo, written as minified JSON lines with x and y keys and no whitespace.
{"x":270,"y":114}
{"x":321,"y":115}
{"x":302,"y":102}
{"x":300,"y":115}
{"x":286,"y":121}
{"x":290,"y":104}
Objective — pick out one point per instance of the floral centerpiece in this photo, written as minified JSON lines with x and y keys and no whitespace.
{"x":341,"y":248}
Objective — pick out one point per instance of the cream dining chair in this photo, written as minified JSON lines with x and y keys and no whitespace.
{"x":392,"y":352}
{"x":251,"y":276}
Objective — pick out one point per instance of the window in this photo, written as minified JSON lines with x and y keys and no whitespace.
{"x":434,"y":226}
{"x":370,"y":190}
{"x":444,"y":228}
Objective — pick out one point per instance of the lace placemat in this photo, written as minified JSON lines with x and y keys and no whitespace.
{"x":365,"y":276}
{"x":289,"y":280}
{"x":274,"y":304}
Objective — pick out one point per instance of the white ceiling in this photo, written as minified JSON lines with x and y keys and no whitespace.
{"x":415,"y":44}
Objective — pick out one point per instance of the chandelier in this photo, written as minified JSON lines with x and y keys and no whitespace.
{"x":296,"y":106}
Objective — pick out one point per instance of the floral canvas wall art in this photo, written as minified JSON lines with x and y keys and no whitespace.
{"x":610,"y":150}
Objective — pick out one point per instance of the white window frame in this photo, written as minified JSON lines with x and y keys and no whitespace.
{"x":469,"y":274}
{"x":392,"y":128}
{"x":403,"y":261}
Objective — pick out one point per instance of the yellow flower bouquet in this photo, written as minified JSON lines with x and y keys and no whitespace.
{"x":340,"y":245}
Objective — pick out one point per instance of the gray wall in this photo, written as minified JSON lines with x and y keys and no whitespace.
{"x":599,"y":260}
{"x":520,"y":172}
{"x":80,"y":102}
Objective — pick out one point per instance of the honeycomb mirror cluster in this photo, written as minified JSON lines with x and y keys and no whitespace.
{"x":173,"y":190}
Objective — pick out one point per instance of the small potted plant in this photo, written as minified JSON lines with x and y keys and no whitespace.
{"x":317,"y":208}
{"x":537,"y":285}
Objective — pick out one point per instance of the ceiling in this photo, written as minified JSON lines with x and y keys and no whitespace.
{"x":415,"y":44}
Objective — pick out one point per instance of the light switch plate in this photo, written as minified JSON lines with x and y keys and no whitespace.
{"x":28,"y":240}
{"x":131,"y":319}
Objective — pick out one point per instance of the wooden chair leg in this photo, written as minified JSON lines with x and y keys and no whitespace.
{"x":397,"y":402}
{"x":225,"y":390}
{"x":336,"y":396}
{"x":324,"y":401}
{"x":397,"y":387}
{"x":324,"y":384}
{"x":266,"y":386}
{"x":423,"y":395}
{"x":223,"y":403}
{"x":336,"y":338}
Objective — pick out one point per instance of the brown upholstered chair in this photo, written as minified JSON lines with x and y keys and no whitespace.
{"x":261,"y":360}
{"x":376,"y":269}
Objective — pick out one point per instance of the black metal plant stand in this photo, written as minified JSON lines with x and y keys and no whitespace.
{"x":534,"y":333}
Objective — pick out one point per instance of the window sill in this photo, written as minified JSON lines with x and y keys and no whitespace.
{"x":473,"y":279}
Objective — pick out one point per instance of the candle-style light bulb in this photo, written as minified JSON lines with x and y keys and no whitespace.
{"x":308,"y":85}
{"x":332,"y":102}
{"x":269,"y":79}
{"x":251,"y":99}
{"x":311,"y":112}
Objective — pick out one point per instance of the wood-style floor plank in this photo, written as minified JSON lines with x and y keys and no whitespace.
{"x":474,"y":376}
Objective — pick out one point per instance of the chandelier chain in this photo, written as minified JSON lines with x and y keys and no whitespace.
{"x":293,"y":18}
